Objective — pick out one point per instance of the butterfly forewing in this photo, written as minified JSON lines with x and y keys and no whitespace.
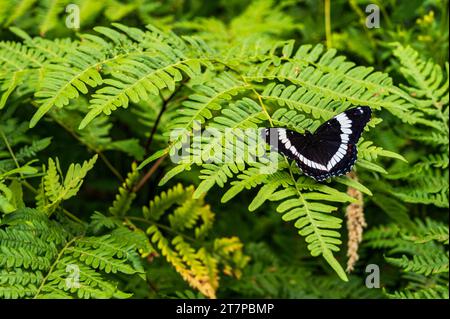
{"x":350,"y":122}
{"x":330,"y":151}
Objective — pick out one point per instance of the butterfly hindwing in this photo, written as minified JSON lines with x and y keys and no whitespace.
{"x":330,"y":151}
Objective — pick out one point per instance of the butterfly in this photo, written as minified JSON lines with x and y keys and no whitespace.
{"x":328,"y":152}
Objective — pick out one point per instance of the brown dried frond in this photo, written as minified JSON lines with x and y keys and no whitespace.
{"x":355,"y":224}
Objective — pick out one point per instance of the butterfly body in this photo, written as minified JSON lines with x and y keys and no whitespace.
{"x":329,"y":151}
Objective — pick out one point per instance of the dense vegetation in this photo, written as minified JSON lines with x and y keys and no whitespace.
{"x":91,"y":205}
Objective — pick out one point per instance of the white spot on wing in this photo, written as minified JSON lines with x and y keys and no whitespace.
{"x":293,"y":149}
{"x":346,"y":130}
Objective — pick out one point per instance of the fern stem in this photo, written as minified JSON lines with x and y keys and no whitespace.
{"x":263,"y":107}
{"x":328,"y":24}
{"x":29,"y":186}
{"x":158,"y":118}
{"x":311,"y":220}
{"x":102,"y":156}
{"x":326,"y":252}
{"x":8,"y":146}
{"x":75,"y":218}
{"x":259,"y":99}
{"x":149,"y":173}
{"x":251,"y":87}
{"x":110,"y":166}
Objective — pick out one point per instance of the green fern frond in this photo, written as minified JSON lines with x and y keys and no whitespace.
{"x":251,"y":177}
{"x":54,"y":190}
{"x":439,"y":292}
{"x":422,"y":264}
{"x":64,"y":82}
{"x":99,"y":221}
{"x":423,"y":257}
{"x":208,"y":97}
{"x":135,"y":79}
{"x":312,"y":218}
{"x":31,"y":150}
{"x":427,"y":78}
{"x":42,"y":259}
{"x":429,"y":230}
{"x":162,"y":202}
{"x":126,"y":195}
{"x":231,"y":127}
{"x":296,"y":98}
{"x":323,"y":74}
{"x":368,"y":151}
{"x":292,"y":119}
{"x":433,"y":138}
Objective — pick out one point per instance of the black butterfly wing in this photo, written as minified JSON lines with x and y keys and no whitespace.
{"x":350,"y":123}
{"x":334,"y":144}
{"x":286,"y":142}
{"x":330,"y":151}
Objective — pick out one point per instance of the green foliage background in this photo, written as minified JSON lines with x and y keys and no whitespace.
{"x":87,"y":188}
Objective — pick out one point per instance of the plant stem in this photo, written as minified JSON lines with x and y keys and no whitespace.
{"x":149,"y":173}
{"x":110,"y":166}
{"x":10,"y":149}
{"x":158,"y":118}
{"x":328,"y":24}
{"x":102,"y":156}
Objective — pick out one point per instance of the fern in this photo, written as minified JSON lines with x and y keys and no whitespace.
{"x":315,"y":67}
{"x":426,"y":258}
{"x":322,"y":242}
{"x":125,"y":197}
{"x":186,"y":90}
{"x":53,"y":191}
{"x":426,"y":181}
{"x":270,"y":276}
{"x":198,"y":267}
{"x":422,"y":264}
{"x":38,"y":257}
